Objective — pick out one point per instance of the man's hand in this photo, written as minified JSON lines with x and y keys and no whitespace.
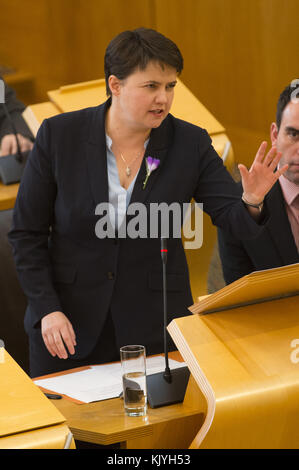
{"x":258,"y":181}
{"x":9,"y":144}
{"x":57,"y":331}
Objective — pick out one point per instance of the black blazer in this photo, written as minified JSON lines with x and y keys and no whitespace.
{"x":274,"y":247}
{"x":61,"y":263}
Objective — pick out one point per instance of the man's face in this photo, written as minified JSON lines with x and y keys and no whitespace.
{"x":286,"y":140}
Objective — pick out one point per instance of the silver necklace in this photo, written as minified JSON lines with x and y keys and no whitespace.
{"x":128,"y":169}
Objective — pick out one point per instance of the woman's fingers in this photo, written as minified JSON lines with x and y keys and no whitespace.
{"x":243,"y":170}
{"x":59,"y":346}
{"x":272,"y":157}
{"x":56,"y":342}
{"x":50,"y":344}
{"x":58,"y":335}
{"x":261,"y":152}
{"x":282,"y":170}
{"x":68,"y":338}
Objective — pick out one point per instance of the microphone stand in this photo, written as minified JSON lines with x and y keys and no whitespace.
{"x":167,"y":373}
{"x":168,"y":387}
{"x":12,"y":166}
{"x":19,"y":155}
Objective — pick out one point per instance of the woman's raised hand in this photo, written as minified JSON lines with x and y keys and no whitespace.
{"x":262,"y":175}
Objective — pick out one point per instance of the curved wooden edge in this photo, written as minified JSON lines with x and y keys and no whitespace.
{"x":201,"y":381}
{"x":251,"y":367}
{"x":51,"y":437}
{"x":256,"y":287}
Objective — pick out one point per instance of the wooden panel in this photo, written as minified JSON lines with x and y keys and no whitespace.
{"x":63,"y":42}
{"x":8,"y":194}
{"x":172,"y":434}
{"x":242,"y":361}
{"x":36,"y":113}
{"x":22,"y":83}
{"x":52,"y":437}
{"x":22,"y":406}
{"x":168,"y":427}
{"x":259,"y":286}
{"x":238,"y":55}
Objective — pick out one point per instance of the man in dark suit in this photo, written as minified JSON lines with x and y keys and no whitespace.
{"x":7,"y":138}
{"x":278,"y":244}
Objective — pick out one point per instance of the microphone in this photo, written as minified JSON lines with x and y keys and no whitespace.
{"x":168,"y":387}
{"x":18,"y":155}
{"x":167,"y":373}
{"x":12,"y":166}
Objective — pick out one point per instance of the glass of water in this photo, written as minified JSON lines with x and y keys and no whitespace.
{"x":134,"y":379}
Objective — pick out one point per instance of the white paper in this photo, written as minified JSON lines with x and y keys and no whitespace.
{"x":99,"y":382}
{"x":156,"y":364}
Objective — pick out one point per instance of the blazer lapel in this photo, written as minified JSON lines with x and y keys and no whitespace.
{"x":279,"y":227}
{"x":157,"y":147}
{"x":96,"y":155}
{"x":159,"y":142}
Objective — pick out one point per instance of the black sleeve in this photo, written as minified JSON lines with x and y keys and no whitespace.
{"x":220,"y":195}
{"x":234,"y":258}
{"x":33,"y":217}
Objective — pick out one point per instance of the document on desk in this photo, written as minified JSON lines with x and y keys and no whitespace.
{"x":99,"y":382}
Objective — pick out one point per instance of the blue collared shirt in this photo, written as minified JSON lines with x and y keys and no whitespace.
{"x":119,"y":197}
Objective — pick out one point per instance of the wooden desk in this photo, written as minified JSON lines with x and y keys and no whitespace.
{"x":28,"y":420}
{"x":8,"y":194}
{"x":168,"y":427}
{"x":244,"y":358}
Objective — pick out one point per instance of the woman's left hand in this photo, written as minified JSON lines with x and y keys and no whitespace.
{"x":258,"y":181}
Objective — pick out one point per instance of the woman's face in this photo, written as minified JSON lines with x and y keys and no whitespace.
{"x":144,"y":98}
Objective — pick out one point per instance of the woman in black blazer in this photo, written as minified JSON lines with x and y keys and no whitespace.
{"x":91,"y":289}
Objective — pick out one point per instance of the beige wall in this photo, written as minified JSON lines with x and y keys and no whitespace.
{"x":238,"y":54}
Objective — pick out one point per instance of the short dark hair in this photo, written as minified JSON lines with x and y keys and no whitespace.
{"x":130,"y":50}
{"x":284,"y":99}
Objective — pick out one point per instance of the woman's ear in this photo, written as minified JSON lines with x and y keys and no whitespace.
{"x":114,"y":85}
